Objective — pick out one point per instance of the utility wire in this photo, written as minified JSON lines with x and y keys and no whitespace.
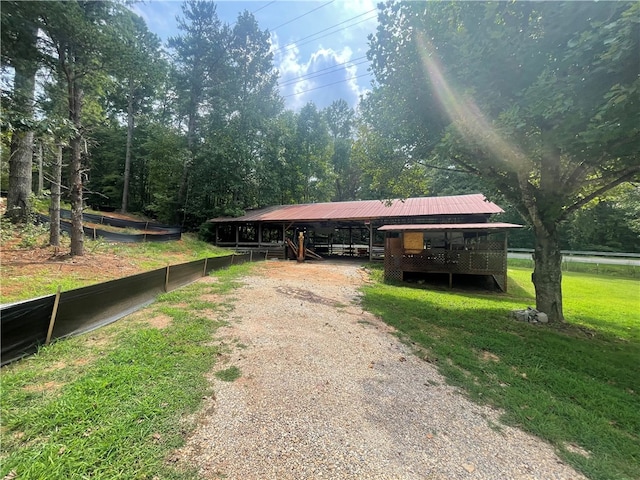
{"x":323,"y":36}
{"x":309,"y":76}
{"x":264,"y":6}
{"x":284,"y":47}
{"x":300,"y":16}
{"x":326,"y":68}
{"x":327,"y":85}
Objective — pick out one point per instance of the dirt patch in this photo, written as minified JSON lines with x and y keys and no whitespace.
{"x":211,"y":298}
{"x":46,"y":267}
{"x":209,"y":279}
{"x":489,"y":357}
{"x":160,"y":321}
{"x":573,"y":448}
{"x":42,"y":387}
{"x":51,"y":266}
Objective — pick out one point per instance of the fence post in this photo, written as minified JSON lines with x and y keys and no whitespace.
{"x":52,"y":321}
{"x":204,"y":272}
{"x":166,"y":280}
{"x":251,"y":255}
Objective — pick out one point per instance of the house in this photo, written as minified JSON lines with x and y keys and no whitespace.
{"x":451,"y":234}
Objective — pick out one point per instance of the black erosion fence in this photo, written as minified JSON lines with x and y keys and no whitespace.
{"x":27,"y":325}
{"x":153,"y":232}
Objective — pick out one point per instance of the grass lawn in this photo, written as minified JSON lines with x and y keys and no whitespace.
{"x":31,"y":269}
{"x":114,"y":403}
{"x":575,"y":385}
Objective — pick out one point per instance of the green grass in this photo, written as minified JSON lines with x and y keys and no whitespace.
{"x":577,"y":383}
{"x":112,"y":404}
{"x":630,"y":271}
{"x":228,"y":374}
{"x":43,"y":278}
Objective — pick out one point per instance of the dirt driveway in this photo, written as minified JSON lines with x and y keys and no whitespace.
{"x":327,"y":391}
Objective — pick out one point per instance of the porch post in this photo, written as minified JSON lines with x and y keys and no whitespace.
{"x":370,"y":241}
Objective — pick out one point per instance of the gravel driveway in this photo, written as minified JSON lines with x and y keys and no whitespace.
{"x":327,"y":391}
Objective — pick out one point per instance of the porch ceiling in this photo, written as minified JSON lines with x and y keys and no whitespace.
{"x":449,"y":226}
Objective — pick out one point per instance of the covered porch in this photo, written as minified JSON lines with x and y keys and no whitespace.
{"x":452,"y":249}
{"x":331,"y":238}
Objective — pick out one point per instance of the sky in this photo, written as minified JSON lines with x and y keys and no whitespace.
{"x":319,"y":46}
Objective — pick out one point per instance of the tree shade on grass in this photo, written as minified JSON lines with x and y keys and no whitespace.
{"x":575,"y":385}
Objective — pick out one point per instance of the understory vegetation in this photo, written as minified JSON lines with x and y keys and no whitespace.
{"x":575,"y":385}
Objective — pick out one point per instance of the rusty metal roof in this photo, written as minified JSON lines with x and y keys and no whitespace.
{"x":370,"y":209}
{"x":449,"y":226}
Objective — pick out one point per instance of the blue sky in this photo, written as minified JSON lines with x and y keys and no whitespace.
{"x":315,"y":43}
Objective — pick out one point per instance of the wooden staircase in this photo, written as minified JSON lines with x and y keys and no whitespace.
{"x":308,"y":253}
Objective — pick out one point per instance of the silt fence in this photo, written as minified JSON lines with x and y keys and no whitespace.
{"x":27,"y":325}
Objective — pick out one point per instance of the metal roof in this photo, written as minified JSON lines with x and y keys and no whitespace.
{"x":370,"y":209}
{"x":449,"y":226}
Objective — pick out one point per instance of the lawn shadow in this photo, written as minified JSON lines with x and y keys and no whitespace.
{"x":467,"y":286}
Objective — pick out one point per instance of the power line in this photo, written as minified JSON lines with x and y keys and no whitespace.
{"x":285,"y":47}
{"x":327,"y":85}
{"x":300,"y":77}
{"x":325,"y":35}
{"x":300,"y":16}
{"x":252,"y":13}
{"x":264,"y":6}
{"x":315,"y":74}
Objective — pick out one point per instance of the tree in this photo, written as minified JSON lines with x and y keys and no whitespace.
{"x":200,"y":54}
{"x":311,"y":156}
{"x":228,"y":164}
{"x":386,"y":172}
{"x":340,"y":121}
{"x":20,"y":52}
{"x":140,"y":68}
{"x":540,"y":99}
{"x":79,"y":43}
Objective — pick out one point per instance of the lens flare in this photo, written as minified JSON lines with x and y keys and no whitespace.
{"x":464,"y":113}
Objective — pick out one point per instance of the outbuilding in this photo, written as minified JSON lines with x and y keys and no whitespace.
{"x":413,"y":235}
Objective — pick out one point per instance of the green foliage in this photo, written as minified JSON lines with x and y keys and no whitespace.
{"x":340,"y":122}
{"x":570,"y":385}
{"x":502,"y":102}
{"x":385,"y":171}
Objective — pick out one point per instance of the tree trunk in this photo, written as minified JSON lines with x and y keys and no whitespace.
{"x":186,"y":167}
{"x":20,"y":161}
{"x":40,"y":171}
{"x":21,"y":157}
{"x":75,"y":109}
{"x":77,"y":232}
{"x":547,"y":273}
{"x":54,"y":208}
{"x":127,"y":157}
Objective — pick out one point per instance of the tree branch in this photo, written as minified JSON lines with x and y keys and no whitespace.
{"x":447,"y":169}
{"x":624,"y":176}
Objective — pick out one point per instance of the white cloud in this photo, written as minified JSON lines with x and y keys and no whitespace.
{"x":326,"y":75}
